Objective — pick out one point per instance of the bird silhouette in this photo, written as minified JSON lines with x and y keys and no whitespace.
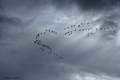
{"x":36,"y":41}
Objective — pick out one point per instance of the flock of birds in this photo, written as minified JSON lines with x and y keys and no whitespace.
{"x":69,"y":31}
{"x":43,"y":46}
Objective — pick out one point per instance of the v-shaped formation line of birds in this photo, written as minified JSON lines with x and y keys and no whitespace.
{"x":69,"y":32}
{"x":43,"y":46}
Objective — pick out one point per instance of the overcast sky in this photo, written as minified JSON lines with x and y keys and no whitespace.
{"x":96,"y":57}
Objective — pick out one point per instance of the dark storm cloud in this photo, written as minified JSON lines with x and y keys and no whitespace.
{"x":82,"y":4}
{"x":88,"y":4}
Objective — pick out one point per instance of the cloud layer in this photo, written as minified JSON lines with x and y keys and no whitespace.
{"x":84,"y":58}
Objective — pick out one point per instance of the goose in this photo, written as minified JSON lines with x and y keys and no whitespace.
{"x":35,"y":41}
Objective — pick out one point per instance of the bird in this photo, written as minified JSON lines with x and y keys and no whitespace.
{"x":39,"y":43}
{"x":37,"y":36}
{"x":101,"y":28}
{"x":78,"y":25}
{"x":60,"y":57}
{"x":50,"y":52}
{"x":88,"y":23}
{"x":88,"y":34}
{"x":35,"y":41}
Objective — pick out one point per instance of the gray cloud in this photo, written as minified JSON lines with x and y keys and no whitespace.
{"x":96,"y":57}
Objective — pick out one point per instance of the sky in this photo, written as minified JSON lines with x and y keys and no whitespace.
{"x":87,"y":54}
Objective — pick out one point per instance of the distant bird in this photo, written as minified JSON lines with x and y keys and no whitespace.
{"x":101,"y":28}
{"x":39,"y":43}
{"x":88,"y":23}
{"x":75,"y":29}
{"x":43,"y":45}
{"x":96,"y":28}
{"x":81,"y":23}
{"x":83,"y":29}
{"x":78,"y":25}
{"x":88,"y":34}
{"x":60,"y":57}
{"x":64,"y":28}
{"x":50,"y":52}
{"x":35,"y":41}
{"x":71,"y":26}
{"x":79,"y":29}
{"x":74,"y":25}
{"x":91,"y":33}
{"x":38,"y":35}
{"x":67,"y":27}
{"x":44,"y":32}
